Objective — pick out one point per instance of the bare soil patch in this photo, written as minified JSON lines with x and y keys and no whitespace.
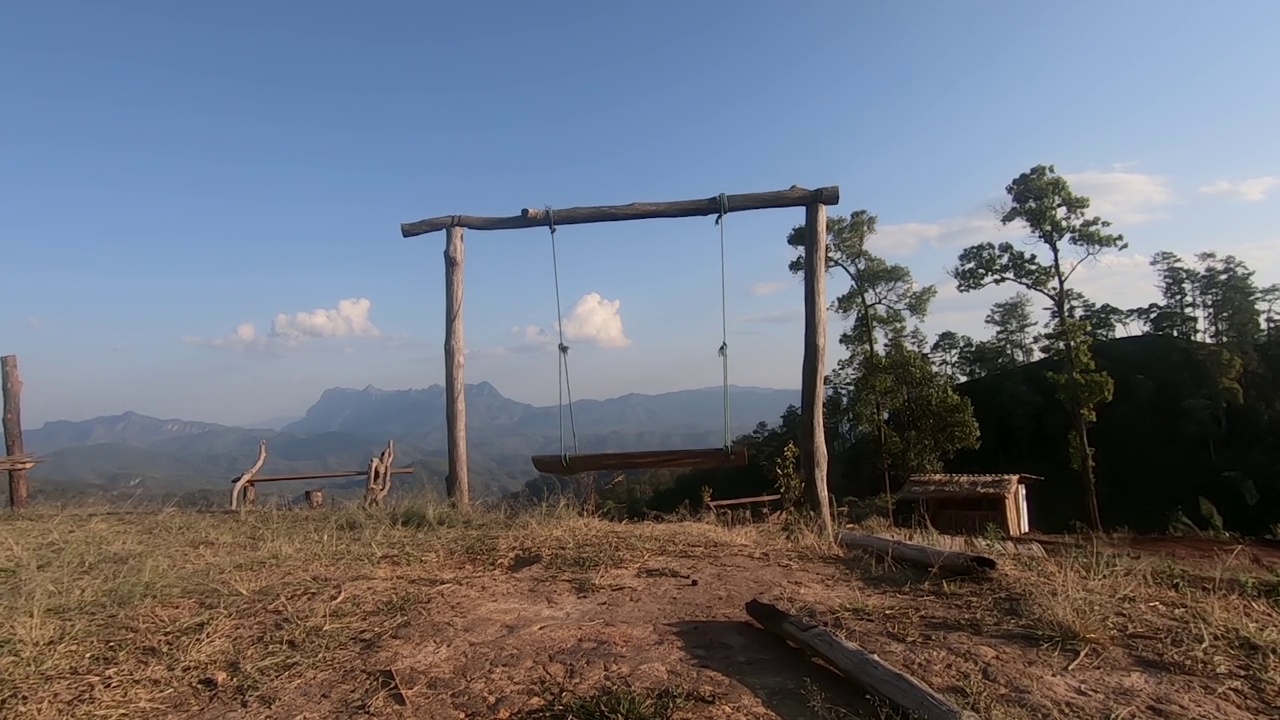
{"x":553,"y":615}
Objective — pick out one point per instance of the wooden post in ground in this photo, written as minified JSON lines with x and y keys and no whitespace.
{"x":12,"y":388}
{"x":315,"y":498}
{"x":245,"y":481}
{"x":456,"y":483}
{"x":813,"y":445}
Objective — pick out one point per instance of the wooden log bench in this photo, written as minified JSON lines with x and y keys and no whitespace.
{"x":377,"y":485}
{"x":750,"y":504}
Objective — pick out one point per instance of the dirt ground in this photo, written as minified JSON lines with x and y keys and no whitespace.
{"x":299,"y":616}
{"x":1191,"y":551}
{"x":496,"y":645}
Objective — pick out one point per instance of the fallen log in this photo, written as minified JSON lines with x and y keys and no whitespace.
{"x":856,"y":664}
{"x":951,"y":561}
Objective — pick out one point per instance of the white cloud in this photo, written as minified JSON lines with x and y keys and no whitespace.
{"x":350,"y":319}
{"x":597,"y":321}
{"x":532,"y":334}
{"x":532,"y":338}
{"x":956,"y":232}
{"x":593,"y":320}
{"x":761,"y":289}
{"x":34,"y":322}
{"x":1122,"y":197}
{"x":1251,"y":190}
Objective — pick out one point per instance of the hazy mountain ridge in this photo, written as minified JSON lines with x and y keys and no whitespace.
{"x":345,"y":427}
{"x":129,"y":428}
{"x":420,"y":412}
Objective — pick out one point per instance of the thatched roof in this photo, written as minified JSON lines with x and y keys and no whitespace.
{"x":920,"y":487}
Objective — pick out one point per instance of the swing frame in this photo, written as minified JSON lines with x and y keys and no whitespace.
{"x":813,"y":451}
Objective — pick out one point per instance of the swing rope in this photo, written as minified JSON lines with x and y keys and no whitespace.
{"x":724,"y":324}
{"x":562,"y":374}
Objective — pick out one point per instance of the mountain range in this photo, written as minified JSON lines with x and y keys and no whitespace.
{"x":345,"y":427}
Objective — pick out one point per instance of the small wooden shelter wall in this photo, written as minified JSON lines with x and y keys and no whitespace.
{"x":974,"y":514}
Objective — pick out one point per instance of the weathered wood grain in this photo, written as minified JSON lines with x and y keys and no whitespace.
{"x":11,"y":383}
{"x":813,"y":434}
{"x":951,"y":561}
{"x":457,"y":484}
{"x":856,"y":664}
{"x":794,"y":196}
{"x":245,"y":481}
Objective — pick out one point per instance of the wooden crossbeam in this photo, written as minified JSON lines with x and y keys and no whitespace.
{"x":743,"y":501}
{"x":795,"y":196}
{"x":643,"y":460}
{"x":321,"y":476}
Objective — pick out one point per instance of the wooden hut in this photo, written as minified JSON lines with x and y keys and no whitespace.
{"x":970,"y":503}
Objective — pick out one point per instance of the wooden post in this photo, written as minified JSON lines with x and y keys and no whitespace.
{"x":455,"y":413}
{"x":813,"y":435}
{"x":12,"y":388}
{"x":245,"y":481}
{"x":315,"y":498}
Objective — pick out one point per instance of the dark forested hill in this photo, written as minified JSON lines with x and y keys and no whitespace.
{"x":1188,"y":420}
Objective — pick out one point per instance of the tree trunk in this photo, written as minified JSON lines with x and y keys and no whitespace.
{"x":1085,"y":458}
{"x":884,"y":464}
{"x":813,"y":431}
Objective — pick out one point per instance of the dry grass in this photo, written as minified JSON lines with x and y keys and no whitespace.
{"x":115,"y":615}
{"x":611,"y":703}
{"x":1092,"y":596}
{"x":1088,"y":609}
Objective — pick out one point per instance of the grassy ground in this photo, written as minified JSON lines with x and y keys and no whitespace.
{"x":550,"y":614}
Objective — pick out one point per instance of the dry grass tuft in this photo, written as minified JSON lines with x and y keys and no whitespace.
{"x":163,"y":613}
{"x":120,"y":613}
{"x":1094,"y":596}
{"x":613,"y":702}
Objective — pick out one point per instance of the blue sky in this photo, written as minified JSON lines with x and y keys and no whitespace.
{"x":172,"y":171}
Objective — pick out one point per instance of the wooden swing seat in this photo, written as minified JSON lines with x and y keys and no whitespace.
{"x":698,"y":459}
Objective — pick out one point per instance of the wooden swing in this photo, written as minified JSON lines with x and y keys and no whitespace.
{"x":702,"y":458}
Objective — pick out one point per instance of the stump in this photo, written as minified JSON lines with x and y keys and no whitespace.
{"x":315,"y":499}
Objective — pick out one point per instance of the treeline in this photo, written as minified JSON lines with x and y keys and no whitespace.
{"x":1212,"y":299}
{"x":1173,"y":408}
